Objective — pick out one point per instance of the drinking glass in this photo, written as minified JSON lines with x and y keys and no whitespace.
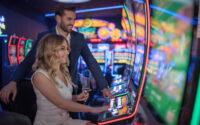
{"x":86,"y":84}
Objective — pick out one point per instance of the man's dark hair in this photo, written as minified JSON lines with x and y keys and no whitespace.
{"x":60,"y":9}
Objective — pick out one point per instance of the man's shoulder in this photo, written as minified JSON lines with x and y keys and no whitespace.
{"x":76,"y":34}
{"x":51,"y":31}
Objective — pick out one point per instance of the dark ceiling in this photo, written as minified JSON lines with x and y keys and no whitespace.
{"x":37,"y":8}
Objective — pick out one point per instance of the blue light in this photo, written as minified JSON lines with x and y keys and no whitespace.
{"x":49,"y":15}
{"x":91,"y":10}
{"x":139,"y":1}
{"x":2,"y":19}
{"x":3,"y":35}
{"x":99,"y":9}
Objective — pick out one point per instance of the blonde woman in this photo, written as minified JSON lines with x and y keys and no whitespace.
{"x":53,"y":85}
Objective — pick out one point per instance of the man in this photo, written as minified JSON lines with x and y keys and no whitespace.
{"x":65,"y":18}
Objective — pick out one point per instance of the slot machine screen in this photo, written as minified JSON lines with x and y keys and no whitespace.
{"x":22,"y":49}
{"x":14,"y":41}
{"x":117,"y":68}
{"x":169,"y":57}
{"x":136,"y":75}
{"x":119,"y":61}
{"x":102,"y":66}
{"x":136,"y":58}
{"x":119,"y":107}
{"x":22,"y":43}
{"x":99,"y":55}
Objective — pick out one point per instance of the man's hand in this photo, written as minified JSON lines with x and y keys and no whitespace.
{"x":5,"y":92}
{"x":106,"y":93}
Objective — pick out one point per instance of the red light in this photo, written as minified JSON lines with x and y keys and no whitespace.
{"x":95,"y":40}
{"x":116,"y":40}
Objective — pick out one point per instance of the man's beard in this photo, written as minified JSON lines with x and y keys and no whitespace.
{"x":64,"y":28}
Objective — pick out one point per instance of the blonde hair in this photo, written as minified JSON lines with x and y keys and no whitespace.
{"x":47,"y":56}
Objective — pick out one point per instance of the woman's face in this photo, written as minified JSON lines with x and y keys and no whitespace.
{"x":63,"y":52}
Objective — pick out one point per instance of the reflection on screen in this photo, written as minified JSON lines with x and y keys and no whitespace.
{"x":117,"y":68}
{"x":102,"y":67}
{"x":14,"y":41}
{"x":138,"y":65}
{"x":169,"y":58}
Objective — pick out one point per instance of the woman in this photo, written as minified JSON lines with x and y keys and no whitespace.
{"x":53,"y":86}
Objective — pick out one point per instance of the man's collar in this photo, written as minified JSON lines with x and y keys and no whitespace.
{"x":56,"y":30}
{"x":68,"y":36}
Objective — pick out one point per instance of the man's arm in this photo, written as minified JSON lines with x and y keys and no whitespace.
{"x":93,"y":65}
{"x":95,"y":68}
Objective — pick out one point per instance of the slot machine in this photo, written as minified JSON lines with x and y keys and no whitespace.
{"x":173,"y":70}
{"x":123,"y":106}
{"x":12,"y":50}
{"x":28,"y":46}
{"x":21,"y":49}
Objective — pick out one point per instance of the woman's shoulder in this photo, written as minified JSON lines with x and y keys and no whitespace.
{"x":42,"y":71}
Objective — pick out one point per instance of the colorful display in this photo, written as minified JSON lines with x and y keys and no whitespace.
{"x":100,"y":56}
{"x":133,"y":24}
{"x":2,"y":24}
{"x":138,"y":64}
{"x":119,"y":59}
{"x":98,"y":29}
{"x":18,"y":48}
{"x":171,"y":33}
{"x":119,"y":106}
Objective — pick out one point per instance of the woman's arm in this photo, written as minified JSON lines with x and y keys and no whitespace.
{"x":44,"y":85}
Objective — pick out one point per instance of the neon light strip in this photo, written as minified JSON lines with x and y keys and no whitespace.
{"x":3,"y":35}
{"x":145,"y":68}
{"x":196,"y":111}
{"x":90,"y":10}
{"x":119,"y":95}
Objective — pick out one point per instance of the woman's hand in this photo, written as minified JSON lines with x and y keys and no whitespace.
{"x":99,"y":109}
{"x":82,"y":97}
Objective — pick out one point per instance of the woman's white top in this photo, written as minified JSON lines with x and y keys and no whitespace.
{"x":48,"y":113}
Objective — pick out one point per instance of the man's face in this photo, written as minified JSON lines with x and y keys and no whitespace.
{"x":66,"y":21}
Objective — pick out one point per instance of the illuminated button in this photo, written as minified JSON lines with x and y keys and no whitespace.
{"x":115,"y":112}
